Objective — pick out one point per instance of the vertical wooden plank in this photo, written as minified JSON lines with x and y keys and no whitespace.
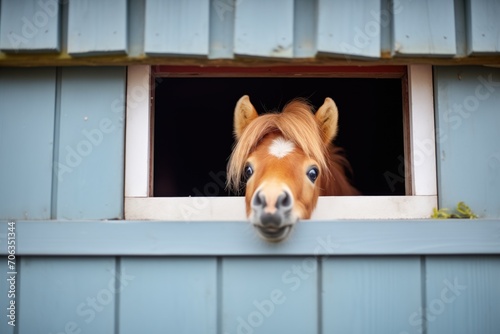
{"x":305,"y":28}
{"x":29,"y":25}
{"x":422,"y":143}
{"x":467,"y":118}
{"x":463,"y":294}
{"x":370,"y":295}
{"x":68,"y":295}
{"x":90,"y":169}
{"x":264,"y":28}
{"x":425,"y":28}
{"x":221,"y":29}
{"x":349,"y":28}
{"x":170,"y":295}
{"x":27,"y":104}
{"x":138,"y":134}
{"x":483,"y":26}
{"x":269,"y":295}
{"x":11,"y":313}
{"x":177,"y":27}
{"x":97,"y":27}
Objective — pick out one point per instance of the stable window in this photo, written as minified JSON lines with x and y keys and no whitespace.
{"x":179,"y":137}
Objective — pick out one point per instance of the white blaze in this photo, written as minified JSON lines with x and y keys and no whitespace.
{"x":281,"y":147}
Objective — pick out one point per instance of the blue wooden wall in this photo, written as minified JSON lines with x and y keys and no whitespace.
{"x":328,"y":278}
{"x":62,"y":143}
{"x":226,"y":29}
{"x":62,"y":167}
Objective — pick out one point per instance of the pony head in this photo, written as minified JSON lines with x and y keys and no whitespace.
{"x":286,"y":161}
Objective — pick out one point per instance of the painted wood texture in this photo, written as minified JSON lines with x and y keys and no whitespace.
{"x":483,"y":28}
{"x":267,"y":294}
{"x":67,"y":295}
{"x":370,"y":295}
{"x":27,"y":107}
{"x":348,"y":237}
{"x":97,"y":27}
{"x":177,"y":27}
{"x":467,"y":100}
{"x":264,"y":28}
{"x":221,"y":34}
{"x":29,"y":25}
{"x":169,"y":295}
{"x":90,"y":171}
{"x":350,"y":28}
{"x":296,"y":294}
{"x":424,"y":28}
{"x":462,"y":295}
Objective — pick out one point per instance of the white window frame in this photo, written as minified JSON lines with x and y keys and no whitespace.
{"x":138,"y":170}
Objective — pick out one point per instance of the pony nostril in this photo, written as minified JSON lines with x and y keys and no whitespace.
{"x":284,"y":200}
{"x":259,"y":200}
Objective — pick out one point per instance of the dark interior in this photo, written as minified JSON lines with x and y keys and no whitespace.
{"x":193,"y":119}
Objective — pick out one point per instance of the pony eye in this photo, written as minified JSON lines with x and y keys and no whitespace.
{"x":312,"y":173}
{"x":248,"y":171}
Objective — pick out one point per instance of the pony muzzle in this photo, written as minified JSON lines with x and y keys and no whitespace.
{"x":272,"y":214}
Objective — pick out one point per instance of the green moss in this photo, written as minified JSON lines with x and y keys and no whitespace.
{"x":462,"y":211}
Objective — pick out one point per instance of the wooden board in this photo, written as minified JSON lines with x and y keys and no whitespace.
{"x":29,"y":26}
{"x":343,"y":237}
{"x":370,"y":294}
{"x":90,"y":167}
{"x":264,"y":28}
{"x":349,"y":28}
{"x":171,"y":295}
{"x":177,"y":27}
{"x":27,"y":104}
{"x":96,"y":27}
{"x":67,"y":295}
{"x":424,"y":28}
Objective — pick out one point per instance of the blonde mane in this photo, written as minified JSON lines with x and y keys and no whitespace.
{"x":296,"y":123}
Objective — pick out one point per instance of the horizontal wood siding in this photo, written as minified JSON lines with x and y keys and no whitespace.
{"x":467,"y":117}
{"x":162,"y":31}
{"x":30,"y":25}
{"x":27,"y":113}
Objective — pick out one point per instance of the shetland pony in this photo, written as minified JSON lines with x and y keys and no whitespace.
{"x":286,"y":160}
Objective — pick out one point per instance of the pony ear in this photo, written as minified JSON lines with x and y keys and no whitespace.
{"x":328,"y":117}
{"x":244,"y":113}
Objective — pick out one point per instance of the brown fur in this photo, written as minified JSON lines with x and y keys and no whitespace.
{"x":312,"y":137}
